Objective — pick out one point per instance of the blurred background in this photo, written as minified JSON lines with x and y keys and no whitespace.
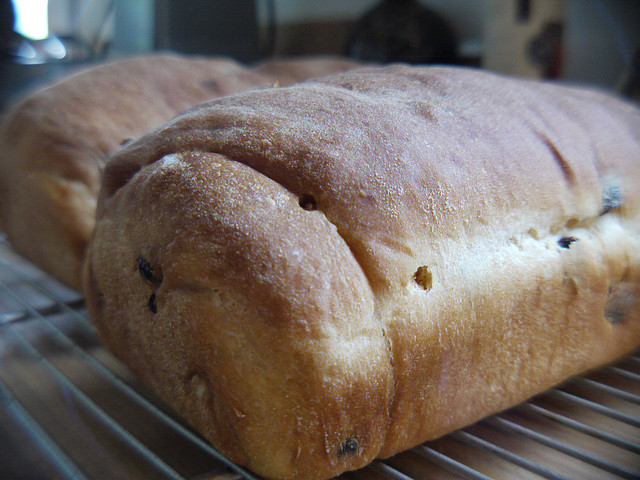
{"x":593,"y":42}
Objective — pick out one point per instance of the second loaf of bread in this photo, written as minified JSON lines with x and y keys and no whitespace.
{"x":319,"y":275}
{"x":54,"y":142}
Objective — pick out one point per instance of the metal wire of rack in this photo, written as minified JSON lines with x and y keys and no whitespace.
{"x":70,"y":410}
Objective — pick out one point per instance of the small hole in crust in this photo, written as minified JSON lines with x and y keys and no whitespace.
{"x":123,"y":142}
{"x":573,"y":222}
{"x":424,"y":278}
{"x":307,"y":202}
{"x":565,"y":242}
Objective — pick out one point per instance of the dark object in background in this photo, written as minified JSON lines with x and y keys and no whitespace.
{"x":631,"y":86}
{"x":402,"y":31}
{"x":17,"y":48}
{"x":545,"y":50}
{"x":27,"y":64}
{"x":223,"y":27}
{"x":7,"y":19}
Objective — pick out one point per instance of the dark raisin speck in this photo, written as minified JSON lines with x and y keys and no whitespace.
{"x":152,"y":303}
{"x":611,"y":199}
{"x":565,"y":242}
{"x":350,"y":446}
{"x":145,"y":268}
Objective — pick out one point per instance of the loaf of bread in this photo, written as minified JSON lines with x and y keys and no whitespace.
{"x":286,"y":71}
{"x":319,"y":275}
{"x":54,"y":142}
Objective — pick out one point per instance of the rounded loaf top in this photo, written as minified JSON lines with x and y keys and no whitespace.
{"x":325,"y":273}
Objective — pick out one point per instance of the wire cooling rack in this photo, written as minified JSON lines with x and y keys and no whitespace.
{"x":70,"y":410}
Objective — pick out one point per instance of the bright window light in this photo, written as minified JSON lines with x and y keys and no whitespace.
{"x":32,"y":18}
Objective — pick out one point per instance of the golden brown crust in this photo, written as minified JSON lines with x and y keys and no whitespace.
{"x":54,"y":142}
{"x":354,"y":265}
{"x":215,"y":218}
